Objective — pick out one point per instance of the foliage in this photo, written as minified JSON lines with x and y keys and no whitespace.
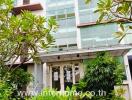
{"x":51,"y":94}
{"x":69,"y":94}
{"x":21,"y":37}
{"x":17,"y":80}
{"x":101,"y":74}
{"x":118,"y":94}
{"x":115,"y":11}
{"x":21,"y":77}
{"x":5,"y":90}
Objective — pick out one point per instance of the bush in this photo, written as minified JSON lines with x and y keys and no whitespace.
{"x":5,"y":90}
{"x":69,"y":94}
{"x":16,"y":80}
{"x":51,"y":94}
{"x":101,"y":74}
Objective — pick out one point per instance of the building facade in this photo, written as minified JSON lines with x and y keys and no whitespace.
{"x":77,"y":39}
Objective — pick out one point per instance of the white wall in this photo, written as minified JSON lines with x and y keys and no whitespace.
{"x":37,"y":71}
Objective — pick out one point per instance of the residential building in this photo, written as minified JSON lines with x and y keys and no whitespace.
{"x":77,"y":39}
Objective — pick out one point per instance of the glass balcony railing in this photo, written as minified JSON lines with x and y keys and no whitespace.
{"x":62,"y":48}
{"x":98,"y":35}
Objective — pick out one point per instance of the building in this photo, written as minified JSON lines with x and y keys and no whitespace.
{"x":77,"y":39}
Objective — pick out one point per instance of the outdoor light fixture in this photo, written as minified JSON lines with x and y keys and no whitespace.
{"x":58,"y":57}
{"x":78,"y":55}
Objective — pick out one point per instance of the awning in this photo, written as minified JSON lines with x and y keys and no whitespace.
{"x":116,"y":50}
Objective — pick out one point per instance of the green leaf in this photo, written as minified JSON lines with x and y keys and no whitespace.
{"x":100,"y":17}
{"x":122,"y":27}
{"x":119,"y":34}
{"x":130,"y":27}
{"x":96,"y":11}
{"x":119,"y":9}
{"x":87,"y":1}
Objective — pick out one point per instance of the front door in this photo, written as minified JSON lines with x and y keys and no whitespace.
{"x":68,"y":76}
{"x":56,"y":77}
{"x":64,"y":75}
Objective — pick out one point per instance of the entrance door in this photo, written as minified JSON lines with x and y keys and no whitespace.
{"x":64,"y":75}
{"x":56,"y":78}
{"x":68,"y":76}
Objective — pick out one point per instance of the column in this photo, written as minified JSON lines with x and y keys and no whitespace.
{"x":62,"y":78}
{"x":30,"y":70}
{"x":35,"y":75}
{"x":50,"y":78}
{"x":45,"y":75}
{"x":77,"y":23}
{"x":73,"y":73}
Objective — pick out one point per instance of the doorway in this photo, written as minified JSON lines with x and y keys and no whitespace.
{"x":56,"y":77}
{"x":64,"y":75}
{"x":68,"y":77}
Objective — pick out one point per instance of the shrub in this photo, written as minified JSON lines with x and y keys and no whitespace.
{"x":101,"y":74}
{"x":69,"y":94}
{"x":5,"y":90}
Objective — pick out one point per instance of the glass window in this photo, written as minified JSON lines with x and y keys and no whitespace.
{"x":98,"y":35}
{"x":26,"y":2}
{"x":56,"y":77}
{"x":70,"y":15}
{"x":68,"y":79}
{"x":15,"y":2}
{"x":64,"y":13}
{"x":61,"y":16}
{"x":86,"y":11}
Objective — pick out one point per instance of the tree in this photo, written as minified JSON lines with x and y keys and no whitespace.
{"x":119,"y":11}
{"x":101,"y":74}
{"x":21,"y":37}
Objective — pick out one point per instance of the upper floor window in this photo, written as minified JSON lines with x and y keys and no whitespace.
{"x":15,"y":2}
{"x":26,"y":2}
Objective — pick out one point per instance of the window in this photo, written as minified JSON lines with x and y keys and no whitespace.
{"x":77,"y":73}
{"x":99,"y":35}
{"x":26,"y":2}
{"x":15,"y":2}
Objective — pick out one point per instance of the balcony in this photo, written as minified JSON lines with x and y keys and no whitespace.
{"x":29,"y":7}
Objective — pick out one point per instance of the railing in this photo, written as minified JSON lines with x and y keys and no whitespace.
{"x":63,"y":48}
